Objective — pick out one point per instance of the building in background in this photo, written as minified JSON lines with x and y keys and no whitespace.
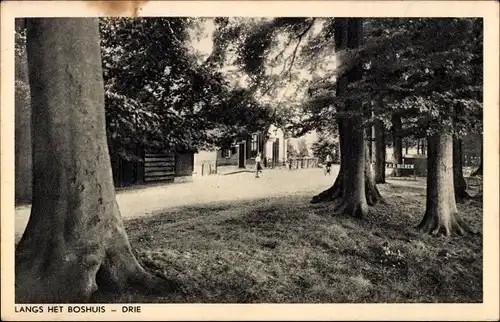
{"x":272,"y":145}
{"x":147,"y":166}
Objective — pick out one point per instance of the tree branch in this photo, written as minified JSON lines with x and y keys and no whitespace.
{"x":299,"y":40}
{"x":173,"y":34}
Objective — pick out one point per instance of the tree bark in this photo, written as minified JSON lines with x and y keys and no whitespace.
{"x":354,"y":201}
{"x":336,"y":191}
{"x":372,"y":193}
{"x":354,"y":185}
{"x":441,"y":215}
{"x":75,"y":245}
{"x":379,"y":152}
{"x":397,"y":144}
{"x":460,"y":186}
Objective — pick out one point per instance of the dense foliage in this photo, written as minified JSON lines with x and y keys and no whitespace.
{"x":426,"y":70}
{"x":302,"y":147}
{"x":429,"y":71}
{"x":159,"y":93}
{"x":326,"y":145}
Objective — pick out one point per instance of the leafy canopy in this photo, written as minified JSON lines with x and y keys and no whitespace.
{"x":159,"y":93}
{"x":426,"y":70}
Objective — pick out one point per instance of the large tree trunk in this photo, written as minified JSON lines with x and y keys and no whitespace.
{"x":379,"y":152}
{"x":354,"y":185}
{"x":441,"y":215}
{"x":397,"y":144}
{"x":353,"y":201}
{"x":460,"y":186}
{"x":336,"y":191}
{"x":372,"y":193}
{"x":75,"y":243}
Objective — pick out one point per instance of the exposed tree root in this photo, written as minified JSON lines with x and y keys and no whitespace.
{"x":65,"y":269}
{"x":352,"y":208}
{"x":373,"y":196}
{"x":331,"y":193}
{"x":435,"y":225}
{"x":87,"y":283}
{"x":140,"y":284}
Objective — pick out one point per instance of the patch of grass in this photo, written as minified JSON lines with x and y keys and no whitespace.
{"x":287,"y":250}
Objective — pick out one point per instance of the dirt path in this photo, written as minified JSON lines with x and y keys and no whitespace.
{"x":241,"y":186}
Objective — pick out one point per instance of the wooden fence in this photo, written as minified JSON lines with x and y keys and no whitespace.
{"x":302,"y":163}
{"x":274,"y":163}
{"x":159,"y":167}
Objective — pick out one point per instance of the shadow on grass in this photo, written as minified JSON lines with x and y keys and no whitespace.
{"x":285,"y":250}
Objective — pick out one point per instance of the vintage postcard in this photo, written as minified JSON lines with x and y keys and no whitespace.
{"x":249,"y":160}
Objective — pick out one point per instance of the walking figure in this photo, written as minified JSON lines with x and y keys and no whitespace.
{"x":257,"y":165}
{"x":328,"y":164}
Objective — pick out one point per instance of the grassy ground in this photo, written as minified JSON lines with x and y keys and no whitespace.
{"x":285,"y":250}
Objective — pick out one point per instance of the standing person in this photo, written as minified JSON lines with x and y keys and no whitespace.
{"x":328,"y":164}
{"x":257,"y":165}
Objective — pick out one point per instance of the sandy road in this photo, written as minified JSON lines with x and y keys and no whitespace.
{"x":241,"y":186}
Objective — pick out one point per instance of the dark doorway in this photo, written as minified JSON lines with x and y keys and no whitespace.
{"x":276,"y":152}
{"x":241,"y":155}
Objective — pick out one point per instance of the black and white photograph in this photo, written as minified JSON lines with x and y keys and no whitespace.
{"x":260,"y":159}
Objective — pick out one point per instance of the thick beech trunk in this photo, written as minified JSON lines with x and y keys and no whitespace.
{"x":75,"y":245}
{"x":460,"y":186}
{"x":354,"y":186}
{"x":372,"y":193}
{"x":397,"y":144}
{"x":379,"y":152}
{"x":441,"y":215}
{"x":353,"y":200}
{"x":336,"y":191}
